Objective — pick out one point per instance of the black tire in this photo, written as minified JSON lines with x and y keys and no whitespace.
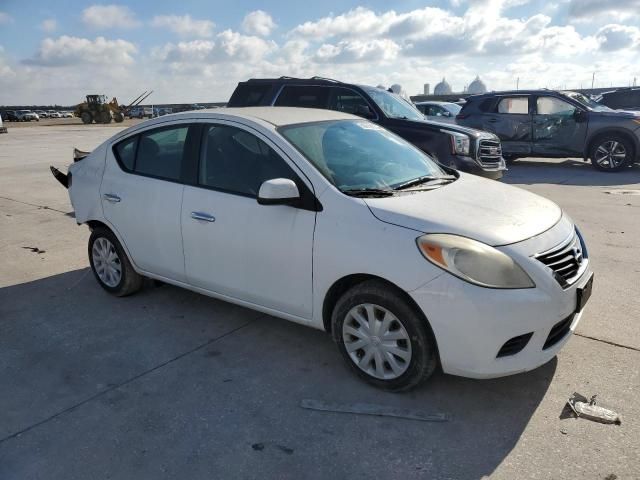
{"x":424,"y":353}
{"x":130,"y":280}
{"x":605,"y":143}
{"x":86,"y":117}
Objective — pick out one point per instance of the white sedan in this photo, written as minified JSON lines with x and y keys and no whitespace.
{"x":331,"y":221}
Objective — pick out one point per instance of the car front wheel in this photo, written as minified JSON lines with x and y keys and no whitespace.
{"x":110,"y":264}
{"x":611,"y":153}
{"x":382,"y":338}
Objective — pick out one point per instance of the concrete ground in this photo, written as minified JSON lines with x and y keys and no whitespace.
{"x":172,"y":384}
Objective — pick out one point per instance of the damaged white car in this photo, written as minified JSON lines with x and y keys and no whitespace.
{"x":331,"y":221}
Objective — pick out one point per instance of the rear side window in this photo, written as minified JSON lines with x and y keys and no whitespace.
{"x":126,"y":153}
{"x":514,"y":105}
{"x":160,"y":152}
{"x":303,"y":96}
{"x":249,"y":95}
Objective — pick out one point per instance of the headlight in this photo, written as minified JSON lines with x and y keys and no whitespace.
{"x":473,"y":261}
{"x":460,"y":143}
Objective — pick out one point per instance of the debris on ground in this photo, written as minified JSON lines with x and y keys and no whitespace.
{"x":377,"y":410}
{"x":35,"y":249}
{"x":588,"y":409}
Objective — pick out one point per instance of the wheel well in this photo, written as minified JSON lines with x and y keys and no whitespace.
{"x":621,"y":133}
{"x":345,"y":283}
{"x":93,"y":224}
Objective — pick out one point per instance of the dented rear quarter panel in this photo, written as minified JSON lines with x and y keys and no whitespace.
{"x":85,"y":185}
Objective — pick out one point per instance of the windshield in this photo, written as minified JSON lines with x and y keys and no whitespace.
{"x":357,"y":154}
{"x":392,"y":105}
{"x":587,"y":102}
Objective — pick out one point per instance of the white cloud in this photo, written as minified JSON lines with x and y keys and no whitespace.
{"x":358,"y":51}
{"x":617,"y":37}
{"x":597,"y":10}
{"x":49,"y":25}
{"x":184,"y":25}
{"x":258,"y":22}
{"x":66,"y":50}
{"x":109,"y":17}
{"x":5,"y":18}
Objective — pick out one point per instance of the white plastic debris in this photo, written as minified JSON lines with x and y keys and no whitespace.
{"x":588,"y":409}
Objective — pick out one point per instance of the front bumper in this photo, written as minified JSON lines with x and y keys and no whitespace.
{"x":471,"y":324}
{"x":469,"y":165}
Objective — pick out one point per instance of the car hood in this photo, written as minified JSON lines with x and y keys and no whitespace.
{"x":474,"y":207}
{"x":617,"y":114}
{"x":454,"y":127}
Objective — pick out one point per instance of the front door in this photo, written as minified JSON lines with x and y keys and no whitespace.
{"x":234,"y":246}
{"x":559,"y":127}
{"x":141,"y":196}
{"x":510,"y":119}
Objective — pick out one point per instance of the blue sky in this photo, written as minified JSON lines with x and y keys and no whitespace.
{"x":56,"y":51}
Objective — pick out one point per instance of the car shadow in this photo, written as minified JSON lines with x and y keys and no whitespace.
{"x":169,"y":381}
{"x":568,"y":172}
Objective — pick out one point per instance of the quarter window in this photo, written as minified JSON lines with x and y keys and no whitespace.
{"x":126,"y":152}
{"x":238,"y":162}
{"x":160,"y":153}
{"x":514,"y":105}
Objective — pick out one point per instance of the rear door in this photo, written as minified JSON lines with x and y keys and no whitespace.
{"x":559,"y":127}
{"x":142,"y":193}
{"x":236,"y":247}
{"x":509,"y":117}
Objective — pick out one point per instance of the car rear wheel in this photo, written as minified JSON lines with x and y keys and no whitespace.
{"x":86,"y":117}
{"x":110,"y":264}
{"x":382,"y":338}
{"x":611,"y":153}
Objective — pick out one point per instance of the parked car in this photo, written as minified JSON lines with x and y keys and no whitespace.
{"x":53,"y":114}
{"x":440,"y":111}
{"x":41,"y":113}
{"x":360,"y":234}
{"x":67,"y":114}
{"x":554,"y":124}
{"x":3,"y":129}
{"x":621,"y":99}
{"x":457,"y":147}
{"x":10,"y":116}
{"x":26,"y":116}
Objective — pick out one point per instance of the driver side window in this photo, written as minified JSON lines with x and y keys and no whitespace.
{"x":236,"y":161}
{"x":554,"y":106}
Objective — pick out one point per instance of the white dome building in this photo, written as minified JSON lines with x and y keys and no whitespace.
{"x":442,"y":88}
{"x":476,"y":87}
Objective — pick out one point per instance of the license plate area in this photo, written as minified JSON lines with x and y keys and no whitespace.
{"x":583,"y":294}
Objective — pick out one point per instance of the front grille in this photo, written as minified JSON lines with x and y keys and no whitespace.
{"x":514,"y":345}
{"x":558,"y":332}
{"x":567,"y":260}
{"x":489,"y":153}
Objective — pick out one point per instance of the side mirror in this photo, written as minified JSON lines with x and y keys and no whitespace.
{"x":579,"y":115}
{"x":278,"y":191}
{"x":364,"y":111}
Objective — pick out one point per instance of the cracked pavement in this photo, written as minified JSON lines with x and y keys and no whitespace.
{"x":169,"y":383}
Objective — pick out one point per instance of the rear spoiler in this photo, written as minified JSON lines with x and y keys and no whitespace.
{"x":65,"y":178}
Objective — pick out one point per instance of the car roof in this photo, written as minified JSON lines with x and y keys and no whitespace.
{"x":518,"y":92}
{"x":277,"y":116}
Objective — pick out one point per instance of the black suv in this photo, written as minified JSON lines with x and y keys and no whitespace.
{"x":454,"y":146}
{"x":546,"y":123}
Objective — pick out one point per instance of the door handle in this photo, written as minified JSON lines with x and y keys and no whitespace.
{"x":110,"y":197}
{"x":492,"y":120}
{"x":203,"y":216}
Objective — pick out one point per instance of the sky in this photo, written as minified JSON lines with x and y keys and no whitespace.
{"x":57,"y":51}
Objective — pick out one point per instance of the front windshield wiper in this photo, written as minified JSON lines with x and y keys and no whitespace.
{"x":368,"y":192}
{"x":421,"y":180}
